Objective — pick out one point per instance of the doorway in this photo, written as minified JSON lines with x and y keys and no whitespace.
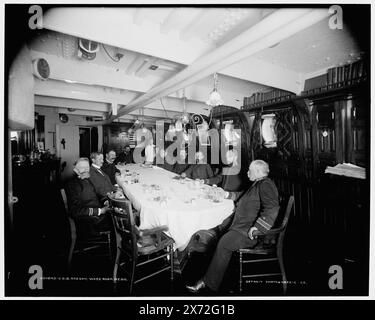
{"x":88,"y":141}
{"x":84,"y":142}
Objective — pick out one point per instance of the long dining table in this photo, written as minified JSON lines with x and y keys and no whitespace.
{"x":164,"y":200}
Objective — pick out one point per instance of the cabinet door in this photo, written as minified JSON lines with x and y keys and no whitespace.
{"x":357,"y":113}
{"x":327,"y":130}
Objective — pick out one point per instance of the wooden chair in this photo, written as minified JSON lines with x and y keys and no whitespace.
{"x":138,"y":248}
{"x":267,"y":253}
{"x":82,"y":244}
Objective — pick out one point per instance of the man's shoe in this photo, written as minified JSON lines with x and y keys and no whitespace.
{"x":200,"y":285}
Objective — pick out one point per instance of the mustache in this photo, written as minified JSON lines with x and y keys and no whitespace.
{"x":84,"y":175}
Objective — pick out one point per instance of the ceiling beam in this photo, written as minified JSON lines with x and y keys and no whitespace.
{"x":141,"y":72}
{"x":58,"y":102}
{"x":86,"y":82}
{"x":58,"y":94}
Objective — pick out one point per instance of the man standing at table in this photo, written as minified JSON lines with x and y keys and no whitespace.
{"x":109,"y":166}
{"x":99,"y":179}
{"x":256,"y":209}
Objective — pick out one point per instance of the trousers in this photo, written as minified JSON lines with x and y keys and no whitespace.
{"x":230,"y":242}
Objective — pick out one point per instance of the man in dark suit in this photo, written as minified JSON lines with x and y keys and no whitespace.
{"x":162,"y":155}
{"x":109,"y":166}
{"x":125,"y":156}
{"x":200,"y":170}
{"x":256,"y":209}
{"x":181,"y":164}
{"x":100,"y":180}
{"x":231,"y":177}
{"x":84,"y":204}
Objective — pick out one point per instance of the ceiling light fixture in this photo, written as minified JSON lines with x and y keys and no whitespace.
{"x":185,"y":118}
{"x":214,"y":98}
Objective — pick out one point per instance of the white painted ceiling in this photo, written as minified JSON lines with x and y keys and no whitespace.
{"x":174,"y":41}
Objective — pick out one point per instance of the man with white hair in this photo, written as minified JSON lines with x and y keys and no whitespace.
{"x":256,"y":210}
{"x":83,"y":201}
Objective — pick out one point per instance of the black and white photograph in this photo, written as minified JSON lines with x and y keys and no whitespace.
{"x":187,"y":151}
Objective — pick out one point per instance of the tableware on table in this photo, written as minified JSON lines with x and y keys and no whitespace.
{"x":218,"y":194}
{"x":191,"y":185}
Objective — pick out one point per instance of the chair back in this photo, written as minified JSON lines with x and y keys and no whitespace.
{"x":65,"y":200}
{"x":72,"y":225}
{"x":287,"y":208}
{"x":124,"y":223}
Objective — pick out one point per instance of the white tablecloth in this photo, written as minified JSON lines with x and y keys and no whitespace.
{"x":182,"y":217}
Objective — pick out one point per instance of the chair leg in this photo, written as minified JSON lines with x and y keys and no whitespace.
{"x":171,"y":255}
{"x":240,"y":279}
{"x":109,"y":246}
{"x":132,"y":277}
{"x":70,"y":253}
{"x":115,"y":267}
{"x":282,"y":269}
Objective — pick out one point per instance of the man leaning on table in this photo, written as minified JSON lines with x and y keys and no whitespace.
{"x":256,"y":209}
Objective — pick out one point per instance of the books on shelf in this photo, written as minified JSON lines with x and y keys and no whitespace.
{"x":348,"y":170}
{"x":267,"y":97}
{"x":336,"y":77}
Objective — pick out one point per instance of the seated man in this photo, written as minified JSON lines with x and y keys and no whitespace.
{"x":100,"y":180}
{"x":256,"y":209}
{"x":167,"y":161}
{"x":83,"y":202}
{"x":201,"y":170}
{"x":125,"y":156}
{"x":109,"y":166}
{"x":181,"y":165}
{"x":230,"y":178}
